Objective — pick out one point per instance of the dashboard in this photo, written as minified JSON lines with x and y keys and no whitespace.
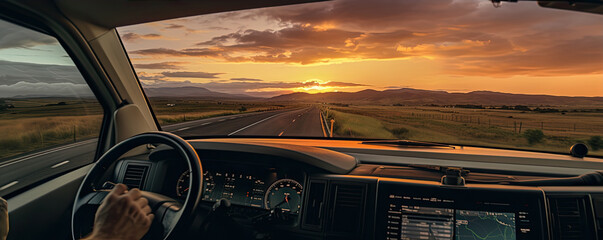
{"x":369,"y":201}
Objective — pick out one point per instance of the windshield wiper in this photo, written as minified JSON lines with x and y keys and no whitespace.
{"x":407,"y":143}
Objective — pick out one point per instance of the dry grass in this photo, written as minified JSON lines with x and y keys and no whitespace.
{"x":30,"y":134}
{"x":166,"y":119}
{"x":40,"y":123}
{"x":483,"y":127}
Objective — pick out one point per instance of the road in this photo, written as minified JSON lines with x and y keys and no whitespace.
{"x":29,"y":169}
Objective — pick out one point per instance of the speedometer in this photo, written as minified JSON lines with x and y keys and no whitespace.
{"x":284,"y":194}
{"x":182,"y":185}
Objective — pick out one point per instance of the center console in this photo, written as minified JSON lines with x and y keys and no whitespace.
{"x":407,"y":210}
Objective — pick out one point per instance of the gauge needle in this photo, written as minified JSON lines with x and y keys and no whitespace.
{"x":185,"y":190}
{"x":284,"y":201}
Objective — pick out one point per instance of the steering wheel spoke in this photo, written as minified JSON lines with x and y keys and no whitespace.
{"x":172,"y":215}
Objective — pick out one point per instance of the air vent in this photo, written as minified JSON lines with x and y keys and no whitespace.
{"x":315,"y":205}
{"x":348,"y":208}
{"x":135,"y":175}
{"x":569,"y":218}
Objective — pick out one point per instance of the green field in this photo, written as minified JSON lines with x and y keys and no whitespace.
{"x":482,"y":127}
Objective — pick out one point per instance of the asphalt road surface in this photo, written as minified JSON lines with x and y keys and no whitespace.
{"x":29,"y":169}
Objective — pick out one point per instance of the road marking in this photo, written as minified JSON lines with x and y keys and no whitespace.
{"x":322,"y":125}
{"x":33,"y":155}
{"x":182,"y":129}
{"x":232,"y":118}
{"x":221,"y":120}
{"x":59,"y":164}
{"x":281,"y":133}
{"x":8,"y":185}
{"x":293,"y":120}
{"x":253,"y":124}
{"x":206,"y":123}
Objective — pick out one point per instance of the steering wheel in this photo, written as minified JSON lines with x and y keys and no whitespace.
{"x":171,"y":217}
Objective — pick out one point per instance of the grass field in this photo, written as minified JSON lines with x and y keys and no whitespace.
{"x":482,"y":127}
{"x":170,"y":111}
{"x":39,"y":123}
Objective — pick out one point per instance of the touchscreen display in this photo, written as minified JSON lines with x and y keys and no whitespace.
{"x":485,"y":225}
{"x":418,"y":222}
{"x":443,"y":218}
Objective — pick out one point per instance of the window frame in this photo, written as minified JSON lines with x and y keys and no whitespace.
{"x":88,"y":66}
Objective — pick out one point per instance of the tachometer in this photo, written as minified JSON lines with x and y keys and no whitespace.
{"x":182,"y":185}
{"x":284,"y":194}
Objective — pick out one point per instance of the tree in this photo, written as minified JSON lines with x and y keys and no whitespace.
{"x":595,"y":142}
{"x":533,"y":135}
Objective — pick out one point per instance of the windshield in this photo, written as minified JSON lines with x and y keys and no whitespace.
{"x":460,"y":72}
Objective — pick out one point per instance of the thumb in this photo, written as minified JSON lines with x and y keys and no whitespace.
{"x":119,"y":189}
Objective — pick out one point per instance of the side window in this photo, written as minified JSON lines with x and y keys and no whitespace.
{"x":49,"y":118}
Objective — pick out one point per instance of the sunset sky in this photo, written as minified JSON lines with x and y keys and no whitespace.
{"x":351,"y":45}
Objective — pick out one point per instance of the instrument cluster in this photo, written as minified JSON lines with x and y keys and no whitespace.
{"x":261,"y":189}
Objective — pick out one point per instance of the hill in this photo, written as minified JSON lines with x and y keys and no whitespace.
{"x":192,"y":92}
{"x":410,"y":96}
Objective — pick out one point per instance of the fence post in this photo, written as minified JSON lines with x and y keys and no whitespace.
{"x":520,"y":124}
{"x":332,"y":121}
{"x":514,"y":127}
{"x":74,"y":134}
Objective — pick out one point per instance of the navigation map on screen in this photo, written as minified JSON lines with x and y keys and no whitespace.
{"x":485,"y":225}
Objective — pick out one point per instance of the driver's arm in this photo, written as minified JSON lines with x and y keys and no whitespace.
{"x":122,"y":215}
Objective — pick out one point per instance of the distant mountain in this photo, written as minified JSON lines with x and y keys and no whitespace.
{"x":410,"y":96}
{"x":195,"y":92}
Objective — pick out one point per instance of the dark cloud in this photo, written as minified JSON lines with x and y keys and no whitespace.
{"x":246,"y":79}
{"x":160,"y":65}
{"x":191,"y":52}
{"x":135,"y":36}
{"x":343,"y":84}
{"x":374,"y":15}
{"x":14,"y":72}
{"x":29,"y":79}
{"x":174,"y":26}
{"x":190,"y":74}
{"x":13,"y":36}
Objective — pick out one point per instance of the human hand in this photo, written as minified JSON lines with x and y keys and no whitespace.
{"x":122,"y":215}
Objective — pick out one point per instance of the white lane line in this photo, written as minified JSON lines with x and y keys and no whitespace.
{"x":221,"y":120}
{"x":8,"y":185}
{"x":293,"y":120}
{"x":21,"y":159}
{"x":253,"y":124}
{"x":182,"y":129}
{"x":206,"y":123}
{"x":59,"y":164}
